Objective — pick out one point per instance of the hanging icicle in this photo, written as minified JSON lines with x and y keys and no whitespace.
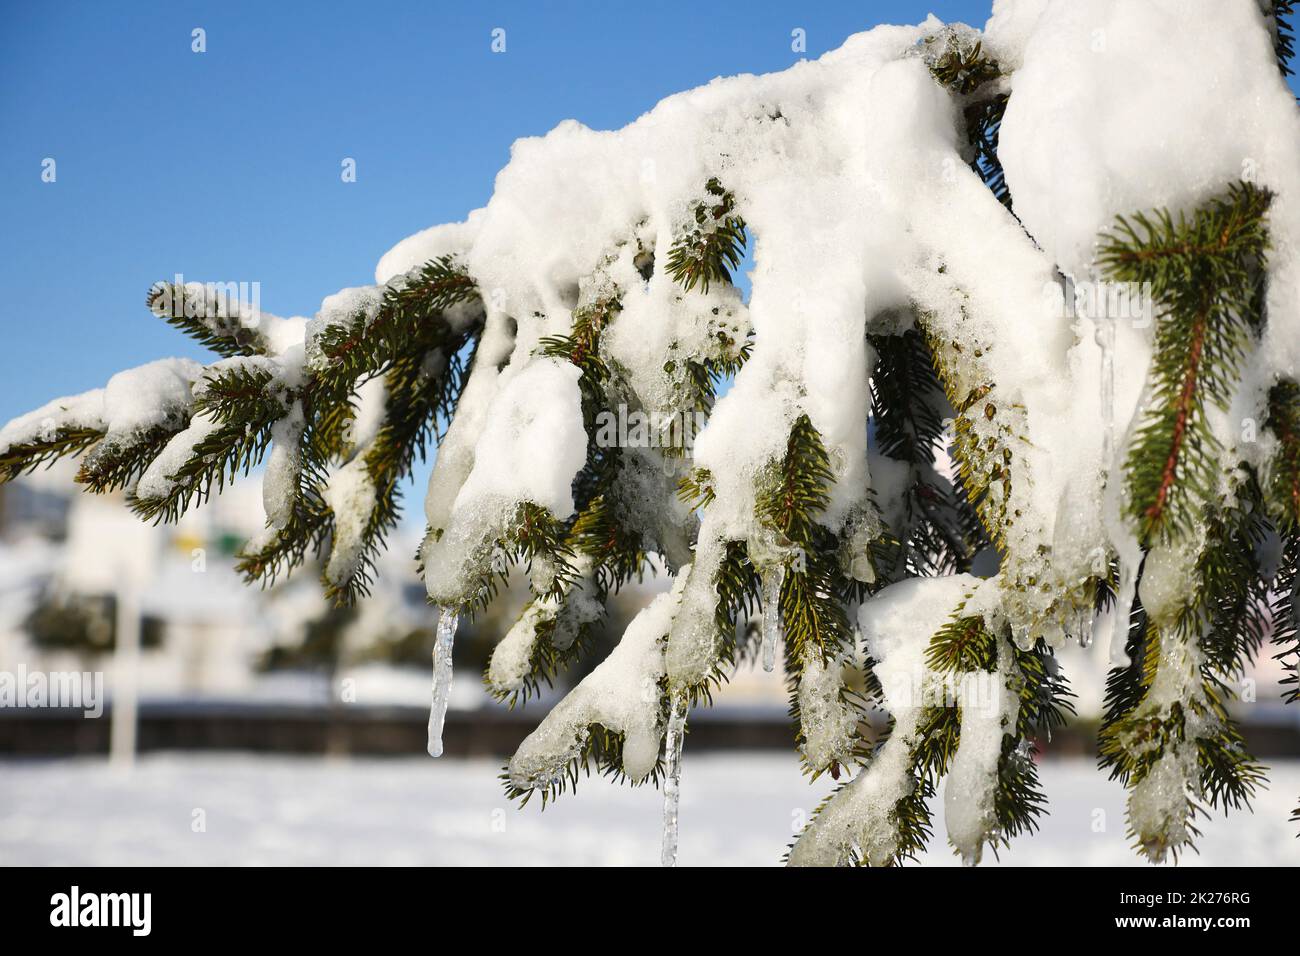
{"x":673,"y":778}
{"x":772,"y":578}
{"x":1104,"y":336}
{"x":448,"y":618}
{"x":1124,"y":596}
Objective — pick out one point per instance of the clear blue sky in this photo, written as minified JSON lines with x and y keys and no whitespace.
{"x":225,"y":165}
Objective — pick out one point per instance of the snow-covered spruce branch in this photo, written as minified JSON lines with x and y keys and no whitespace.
{"x":940,"y":220}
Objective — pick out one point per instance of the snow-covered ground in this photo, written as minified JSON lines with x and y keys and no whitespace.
{"x":738,"y":808}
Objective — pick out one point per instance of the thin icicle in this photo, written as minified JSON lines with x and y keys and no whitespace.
{"x":1081,"y":625}
{"x":772,"y":579}
{"x":1120,"y":615}
{"x":1129,"y":553}
{"x":673,"y":779}
{"x":1104,"y":336}
{"x":448,"y":618}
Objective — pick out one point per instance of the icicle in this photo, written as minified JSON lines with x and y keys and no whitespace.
{"x":772,"y":579}
{"x":1120,"y":613}
{"x":1081,"y":625}
{"x":1023,"y":637}
{"x":1104,"y":336}
{"x":448,"y":618}
{"x":673,"y":778}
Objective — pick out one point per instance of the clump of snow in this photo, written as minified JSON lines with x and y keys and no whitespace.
{"x":530,"y":447}
{"x":622,"y":695}
{"x":150,"y":395}
{"x":340,"y":310}
{"x":350,"y":494}
{"x":159,"y":480}
{"x":1110,"y":111}
{"x":370,"y":403}
{"x":1008,"y":30}
{"x":532,"y":443}
{"x":432,"y":243}
{"x":1165,"y":577}
{"x":693,"y":645}
{"x":1159,"y":810}
{"x":989,"y":703}
{"x":134,"y":402}
{"x":283,"y":467}
{"x":512,"y":657}
{"x":897,"y":623}
{"x":828,"y":723}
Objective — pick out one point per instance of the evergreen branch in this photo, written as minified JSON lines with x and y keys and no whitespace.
{"x":933,"y":747}
{"x":535,"y":540}
{"x":306,"y":533}
{"x":1203,"y":272}
{"x":1283,"y":34}
{"x":602,"y":751}
{"x":1285,"y":614}
{"x":233,"y":411}
{"x":1214,"y":632}
{"x":984,"y":466}
{"x":962,"y":645}
{"x":969,"y":72}
{"x":209,"y":317}
{"x":118,"y":464}
{"x":415,"y":347}
{"x":581,"y":347}
{"x":814,"y":618}
{"x":1224,"y":238}
{"x":790,"y":496}
{"x":697,"y":488}
{"x":1045,"y":704}
{"x":713,"y":247}
{"x":616,"y":557}
{"x":942,"y":531}
{"x":1284,"y":473}
{"x":707,"y":374}
{"x":417,"y":395}
{"x":615,"y":549}
{"x":962,"y":67}
{"x":797,"y":488}
{"x":364,"y":345}
{"x":1126,"y":686}
{"x":907,"y":399}
{"x":25,"y":457}
{"x":547,"y":659}
{"x":736,"y":584}
{"x":965,"y":645}
{"x":1228,"y":611}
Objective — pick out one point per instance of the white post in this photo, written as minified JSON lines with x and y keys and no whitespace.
{"x":126,"y":673}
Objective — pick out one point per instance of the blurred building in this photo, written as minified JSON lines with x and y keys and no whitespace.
{"x":71,"y":550}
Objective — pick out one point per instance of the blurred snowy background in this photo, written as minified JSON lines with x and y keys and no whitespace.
{"x":276,"y":730}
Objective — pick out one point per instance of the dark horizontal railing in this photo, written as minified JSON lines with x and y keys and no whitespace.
{"x":398,"y":730}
